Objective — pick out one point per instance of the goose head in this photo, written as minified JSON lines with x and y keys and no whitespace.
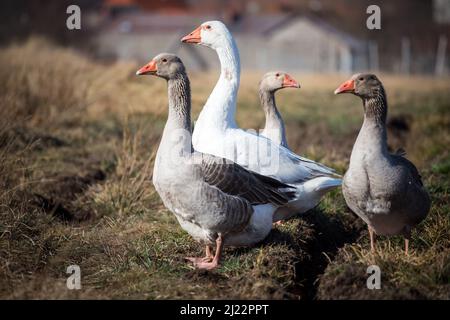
{"x":276,"y":80}
{"x":164,"y":65}
{"x":364,"y":85}
{"x":213,"y":34}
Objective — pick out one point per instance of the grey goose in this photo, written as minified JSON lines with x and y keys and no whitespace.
{"x":383,"y":189}
{"x":270,"y":83}
{"x":215,"y":200}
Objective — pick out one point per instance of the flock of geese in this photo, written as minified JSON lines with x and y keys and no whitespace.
{"x":227,"y":186}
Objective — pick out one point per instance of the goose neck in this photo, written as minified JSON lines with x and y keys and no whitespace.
{"x":229,"y":61}
{"x":176,"y":141}
{"x":179,"y":94}
{"x":375,"y":107}
{"x":268,"y":103}
{"x":273,"y":117}
{"x":220,"y":110}
{"x":373,"y":130}
{"x":274,"y":121}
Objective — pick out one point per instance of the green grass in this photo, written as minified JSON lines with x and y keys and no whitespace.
{"x":76,"y":166}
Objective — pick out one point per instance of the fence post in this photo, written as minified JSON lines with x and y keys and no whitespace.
{"x":406,"y":56}
{"x":373,"y":56}
{"x":440,"y":56}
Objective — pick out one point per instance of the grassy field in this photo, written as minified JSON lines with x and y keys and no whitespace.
{"x":77,"y":142}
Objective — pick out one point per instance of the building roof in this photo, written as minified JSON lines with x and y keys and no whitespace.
{"x":325,"y":27}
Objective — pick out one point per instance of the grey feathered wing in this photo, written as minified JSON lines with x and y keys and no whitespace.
{"x":400,"y":158}
{"x":235,"y":180}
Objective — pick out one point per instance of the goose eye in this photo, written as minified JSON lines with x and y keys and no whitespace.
{"x":208,"y":27}
{"x":164,"y":60}
{"x":277,"y":75}
{"x":361,"y":79}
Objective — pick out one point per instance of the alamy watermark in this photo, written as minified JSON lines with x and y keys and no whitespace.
{"x":73,"y":21}
{"x":73,"y":282}
{"x":374,"y":280}
{"x":373,"y":22}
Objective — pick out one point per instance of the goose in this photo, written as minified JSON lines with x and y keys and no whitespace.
{"x":270,"y":83}
{"x":385,"y":190}
{"x":217,"y":133}
{"x":215,"y":200}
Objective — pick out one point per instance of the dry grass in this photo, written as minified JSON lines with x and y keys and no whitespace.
{"x":77,"y":142}
{"x":130,"y":190}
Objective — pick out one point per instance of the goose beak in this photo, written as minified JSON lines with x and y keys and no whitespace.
{"x":193,"y":37}
{"x":346,"y":87}
{"x":149,"y":68}
{"x":289,"y":82}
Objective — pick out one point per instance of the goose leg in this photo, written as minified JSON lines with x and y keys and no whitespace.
{"x":407,"y":238}
{"x":372,"y":239}
{"x":209,"y":255}
{"x":215,"y":261}
{"x":207,"y":258}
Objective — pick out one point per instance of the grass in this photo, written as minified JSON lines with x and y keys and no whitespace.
{"x":77,"y":143}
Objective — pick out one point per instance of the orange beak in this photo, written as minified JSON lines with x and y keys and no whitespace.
{"x":289,"y":82}
{"x":149,"y":68}
{"x":193,"y":37}
{"x":347,"y":86}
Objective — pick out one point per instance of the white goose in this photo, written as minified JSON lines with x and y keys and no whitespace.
{"x":213,"y":199}
{"x":217,"y":133}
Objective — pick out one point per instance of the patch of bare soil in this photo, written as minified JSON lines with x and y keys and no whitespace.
{"x":24,"y":137}
{"x":57,"y":198}
{"x":322,"y":237}
{"x":349,"y":283}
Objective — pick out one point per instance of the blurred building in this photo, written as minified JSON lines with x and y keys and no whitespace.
{"x":304,"y":35}
{"x":441,"y":11}
{"x":276,"y":41}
